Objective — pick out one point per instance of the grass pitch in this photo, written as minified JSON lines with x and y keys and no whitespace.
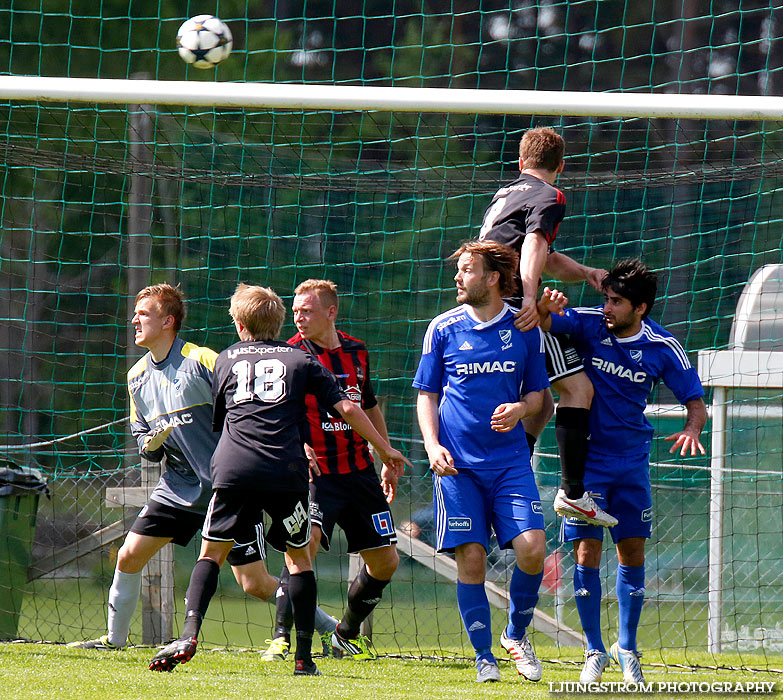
{"x":49,"y":671}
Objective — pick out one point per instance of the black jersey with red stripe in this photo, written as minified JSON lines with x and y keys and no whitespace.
{"x":527,"y":205}
{"x":340,"y":449}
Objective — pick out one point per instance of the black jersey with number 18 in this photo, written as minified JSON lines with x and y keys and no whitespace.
{"x":259,"y":394}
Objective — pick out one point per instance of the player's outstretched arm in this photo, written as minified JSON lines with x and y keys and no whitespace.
{"x":551,"y":302}
{"x":356,"y":417}
{"x":441,"y":461}
{"x":312,"y":461}
{"x":389,"y":481}
{"x":389,"y":477}
{"x":566,"y":269}
{"x":532,"y":259}
{"x":687,"y":440}
{"x":507,"y":415}
{"x":376,"y":418}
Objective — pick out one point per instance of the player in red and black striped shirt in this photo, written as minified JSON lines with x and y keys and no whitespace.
{"x":339,"y":448}
{"x":347,"y":491}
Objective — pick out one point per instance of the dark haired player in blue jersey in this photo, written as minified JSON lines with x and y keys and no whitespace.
{"x":526,"y":215}
{"x":478,"y":377}
{"x":259,"y":465}
{"x":625,"y":354}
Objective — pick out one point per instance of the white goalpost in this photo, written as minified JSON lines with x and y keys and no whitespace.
{"x":754,"y":360}
{"x":396,"y":99}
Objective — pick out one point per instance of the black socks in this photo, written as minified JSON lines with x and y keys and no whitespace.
{"x":284,"y":611}
{"x":572,"y":429}
{"x":203,"y":584}
{"x":303,"y":592}
{"x":363,"y":595}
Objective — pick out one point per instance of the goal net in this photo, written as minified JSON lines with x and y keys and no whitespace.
{"x":154,"y":182}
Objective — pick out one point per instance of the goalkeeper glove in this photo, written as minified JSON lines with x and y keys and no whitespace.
{"x":154,"y":439}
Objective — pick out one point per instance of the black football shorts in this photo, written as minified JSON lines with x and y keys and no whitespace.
{"x":562,"y":359}
{"x":233,"y":512}
{"x":162,"y":520}
{"x":356,"y":503}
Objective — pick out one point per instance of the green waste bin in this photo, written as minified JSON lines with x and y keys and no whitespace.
{"x":20,"y":489}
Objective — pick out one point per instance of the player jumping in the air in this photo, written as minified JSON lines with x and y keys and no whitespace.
{"x":345,"y":489}
{"x":478,"y":377}
{"x":171,"y":418}
{"x":526,"y":215}
{"x":260,"y":466}
{"x":625,"y":354}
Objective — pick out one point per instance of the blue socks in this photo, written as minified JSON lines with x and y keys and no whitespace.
{"x":523,"y":594}
{"x":587,"y":592}
{"x":474,"y":610}
{"x":630,"y":598}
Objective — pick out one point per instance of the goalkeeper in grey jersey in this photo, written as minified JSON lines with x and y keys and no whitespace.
{"x":171,"y":418}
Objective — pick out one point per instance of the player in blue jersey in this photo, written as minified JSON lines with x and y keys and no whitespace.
{"x":625,"y":355}
{"x":478,"y":378}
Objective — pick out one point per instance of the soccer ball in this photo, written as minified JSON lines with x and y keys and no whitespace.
{"x":204,"y":41}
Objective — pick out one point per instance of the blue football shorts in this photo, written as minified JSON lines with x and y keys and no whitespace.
{"x":621,"y":486}
{"x":472,"y":503}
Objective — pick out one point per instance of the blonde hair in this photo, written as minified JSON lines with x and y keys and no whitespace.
{"x":542,"y":148}
{"x":171,"y":301}
{"x":325,"y":289}
{"x":259,"y":310}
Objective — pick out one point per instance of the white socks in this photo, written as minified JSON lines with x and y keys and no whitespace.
{"x":123,"y":598}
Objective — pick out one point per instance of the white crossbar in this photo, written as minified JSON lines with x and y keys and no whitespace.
{"x":389,"y":99}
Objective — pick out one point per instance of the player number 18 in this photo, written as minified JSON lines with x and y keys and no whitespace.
{"x":268,"y":382}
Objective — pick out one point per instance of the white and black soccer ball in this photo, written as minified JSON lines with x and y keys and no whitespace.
{"x":204,"y":41}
